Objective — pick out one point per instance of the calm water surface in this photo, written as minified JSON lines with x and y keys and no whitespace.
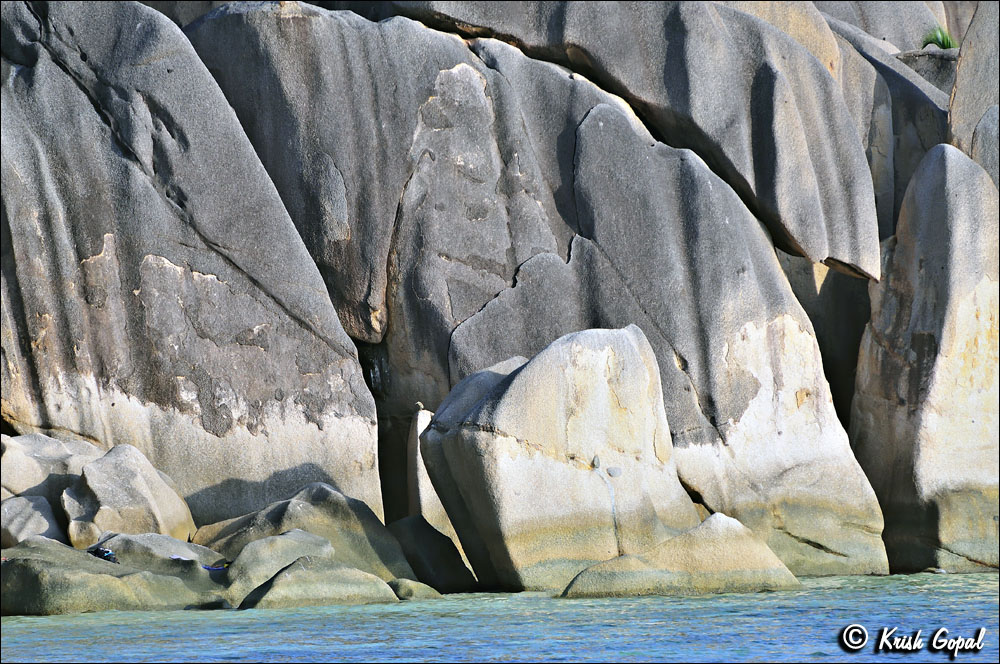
{"x":791,"y":626}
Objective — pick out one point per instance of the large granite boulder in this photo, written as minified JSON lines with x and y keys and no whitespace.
{"x":754,"y":429}
{"x":138,"y":305}
{"x":358,"y":537}
{"x":898,"y":26}
{"x":43,"y":577}
{"x":925,"y":423}
{"x":564,"y":462}
{"x":719,"y":556}
{"x":26,"y":516}
{"x":318,"y":582}
{"x":161,"y":553}
{"x":122,"y":492}
{"x":919,"y":109}
{"x":262,"y":559}
{"x":765,"y":113}
{"x":977,"y":79}
{"x":801,"y":21}
{"x":36,"y":465}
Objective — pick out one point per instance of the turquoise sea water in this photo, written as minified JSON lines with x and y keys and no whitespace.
{"x":791,"y":626}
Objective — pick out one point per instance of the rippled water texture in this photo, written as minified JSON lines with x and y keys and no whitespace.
{"x":790,"y":626}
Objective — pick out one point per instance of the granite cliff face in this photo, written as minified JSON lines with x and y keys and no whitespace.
{"x":243,"y":244}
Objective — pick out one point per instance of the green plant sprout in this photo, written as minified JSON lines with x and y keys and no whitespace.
{"x":940,"y":37}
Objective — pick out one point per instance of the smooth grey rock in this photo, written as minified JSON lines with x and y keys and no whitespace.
{"x":520,"y":456}
{"x":985,"y":142}
{"x":138,"y":306}
{"x":262,"y":559}
{"x":977,"y":79}
{"x":433,"y":556}
{"x":719,"y":556}
{"x":407,"y":589}
{"x":774,"y":127}
{"x":161,"y":553}
{"x":958,"y":15}
{"x":898,"y":26}
{"x":36,"y":465}
{"x":919,"y":110}
{"x":869,"y":102}
{"x":43,"y":577}
{"x":358,"y":537}
{"x":937,"y":66}
{"x":925,"y":422}
{"x":25,"y":516}
{"x":802,"y":22}
{"x":122,"y":492}
{"x":708,"y":323}
{"x":318,"y":582}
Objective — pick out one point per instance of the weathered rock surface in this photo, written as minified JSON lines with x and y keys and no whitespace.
{"x":138,"y":306}
{"x":433,"y":556}
{"x":262,"y":559}
{"x":977,"y":79}
{"x":358,"y":537}
{"x":937,"y":66}
{"x":319,"y":582}
{"x":36,"y":465}
{"x":122,"y":492}
{"x":44,"y":577}
{"x":985,"y":144}
{"x":26,"y":516}
{"x":565,"y":462}
{"x":925,"y":423}
{"x":755,"y":432}
{"x":898,"y":26}
{"x":804,"y":179}
{"x":721,"y":555}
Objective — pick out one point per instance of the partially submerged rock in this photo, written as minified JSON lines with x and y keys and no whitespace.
{"x":719,"y":556}
{"x":358,"y":537}
{"x":562,"y":462}
{"x":43,"y":577}
{"x":262,"y":559}
{"x":319,"y":582}
{"x":123,"y":493}
{"x":407,"y":589}
{"x":925,"y":422}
